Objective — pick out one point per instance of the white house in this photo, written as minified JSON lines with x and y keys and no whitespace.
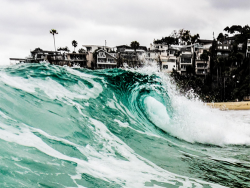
{"x":106,"y":60}
{"x":91,"y":49}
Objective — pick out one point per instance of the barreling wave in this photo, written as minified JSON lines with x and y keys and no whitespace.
{"x":72,"y":127}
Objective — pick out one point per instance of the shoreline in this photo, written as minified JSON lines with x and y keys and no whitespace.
{"x":244,"y":105}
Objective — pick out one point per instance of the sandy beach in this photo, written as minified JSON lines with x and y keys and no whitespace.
{"x":231,"y":105}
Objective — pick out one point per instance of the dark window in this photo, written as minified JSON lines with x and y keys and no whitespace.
{"x":185,"y":60}
{"x":165,"y":66}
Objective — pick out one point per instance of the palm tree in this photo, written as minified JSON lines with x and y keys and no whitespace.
{"x":74,"y":44}
{"x":53,"y":32}
{"x":135,"y":45}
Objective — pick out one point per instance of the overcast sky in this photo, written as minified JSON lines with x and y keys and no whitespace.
{"x":25,"y":24}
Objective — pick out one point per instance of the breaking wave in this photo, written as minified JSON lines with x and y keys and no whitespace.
{"x":72,"y":127}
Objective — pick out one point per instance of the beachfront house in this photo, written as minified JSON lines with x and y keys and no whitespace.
{"x":169,"y":59}
{"x":91,"y":49}
{"x":186,"y":58}
{"x":106,"y":60}
{"x":202,"y":67}
{"x":132,"y":58}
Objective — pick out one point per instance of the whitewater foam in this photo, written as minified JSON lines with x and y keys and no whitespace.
{"x":102,"y":128}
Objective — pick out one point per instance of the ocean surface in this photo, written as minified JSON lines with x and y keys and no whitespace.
{"x":72,"y":127}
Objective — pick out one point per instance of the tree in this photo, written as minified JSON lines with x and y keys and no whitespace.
{"x":221,"y":37}
{"x":134,"y":45}
{"x":81,"y":50}
{"x":185,"y":35}
{"x":53,"y":32}
{"x":74,"y":44}
{"x":176,"y":36}
{"x":195,"y":38}
{"x":190,"y":70}
{"x":65,"y":49}
{"x":233,"y":29}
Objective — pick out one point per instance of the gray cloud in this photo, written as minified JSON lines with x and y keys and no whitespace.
{"x":25,"y":24}
{"x":230,"y":4}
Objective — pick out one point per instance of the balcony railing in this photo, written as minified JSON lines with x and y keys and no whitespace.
{"x":106,"y":62}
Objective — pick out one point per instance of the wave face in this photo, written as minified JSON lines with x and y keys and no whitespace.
{"x":72,"y":127}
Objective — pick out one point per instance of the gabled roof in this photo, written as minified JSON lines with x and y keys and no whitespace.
{"x":96,"y":46}
{"x":121,"y":46}
{"x":106,"y":53}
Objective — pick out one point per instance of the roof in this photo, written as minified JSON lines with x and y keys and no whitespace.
{"x":172,"y":48}
{"x":44,"y":51}
{"x":123,"y":46}
{"x":102,"y":46}
{"x":143,"y":47}
{"x":106,"y":53}
{"x":18,"y":59}
{"x":205,"y":41}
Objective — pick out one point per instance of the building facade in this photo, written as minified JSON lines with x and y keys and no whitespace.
{"x":106,"y":60}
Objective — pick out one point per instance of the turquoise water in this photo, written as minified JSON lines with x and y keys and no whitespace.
{"x":72,"y":127}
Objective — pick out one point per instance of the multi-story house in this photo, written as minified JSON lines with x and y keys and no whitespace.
{"x":169,"y":59}
{"x":122,"y":48}
{"x":186,"y":58}
{"x":90,"y":49}
{"x":131,"y":57}
{"x":202,"y":67}
{"x":55,"y":58}
{"x":152,"y":54}
{"x":224,"y":47}
{"x":106,"y":60}
{"x":165,"y":55}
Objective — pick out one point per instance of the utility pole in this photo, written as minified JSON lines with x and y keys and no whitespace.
{"x":224,"y":89}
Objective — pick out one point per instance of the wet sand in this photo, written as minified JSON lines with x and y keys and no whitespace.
{"x":231,"y":105}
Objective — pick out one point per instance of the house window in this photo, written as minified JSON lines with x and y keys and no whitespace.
{"x":101,"y":60}
{"x":226,"y":47}
{"x":219,"y":47}
{"x":186,"y":60}
{"x":111,"y":60}
{"x":165,"y":66}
